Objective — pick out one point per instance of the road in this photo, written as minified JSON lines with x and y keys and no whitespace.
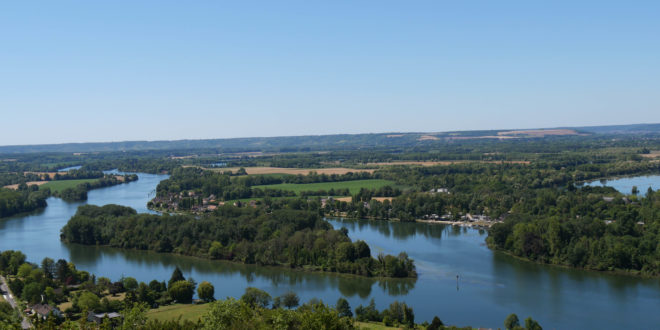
{"x":25,"y":324}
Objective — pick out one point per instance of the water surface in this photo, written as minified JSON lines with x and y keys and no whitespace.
{"x":490,"y":285}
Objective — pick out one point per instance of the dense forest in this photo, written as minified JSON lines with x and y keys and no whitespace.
{"x":24,"y":199}
{"x":284,"y":237}
{"x":592,"y":228}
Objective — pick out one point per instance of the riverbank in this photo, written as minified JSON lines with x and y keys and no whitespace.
{"x":616,"y":272}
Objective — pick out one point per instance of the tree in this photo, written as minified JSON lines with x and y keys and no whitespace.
{"x":32,"y":292}
{"x":182,"y":291}
{"x":62,"y":270}
{"x":531,"y":324}
{"x":344,"y":308}
{"x":635,"y":190}
{"x":89,"y":301}
{"x":436,"y":324}
{"x":48,"y":266}
{"x":134,"y":317}
{"x":290,"y":300}
{"x":177,"y":276}
{"x":511,"y":321}
{"x":129,"y":283}
{"x":256,"y":298}
{"x":24,"y":270}
{"x":206,"y":291}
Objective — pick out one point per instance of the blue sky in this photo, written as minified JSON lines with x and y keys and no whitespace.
{"x":79,"y":71}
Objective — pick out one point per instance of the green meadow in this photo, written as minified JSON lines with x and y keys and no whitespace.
{"x":59,"y":185}
{"x":353,"y":186}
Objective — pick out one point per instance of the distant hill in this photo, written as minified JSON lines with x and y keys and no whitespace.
{"x":330,"y":142}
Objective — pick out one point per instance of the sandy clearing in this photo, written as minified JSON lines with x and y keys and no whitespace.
{"x":428,"y":137}
{"x":31,"y":183}
{"x":50,"y":174}
{"x":541,"y":132}
{"x":653,"y":154}
{"x":294,"y":171}
{"x":447,"y":162}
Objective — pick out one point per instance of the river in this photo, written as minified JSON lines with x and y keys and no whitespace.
{"x":490,"y":285}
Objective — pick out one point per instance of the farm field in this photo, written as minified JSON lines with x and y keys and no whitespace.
{"x":294,"y":171}
{"x":57,"y":186}
{"x":353,"y":186}
{"x":173,"y":312}
{"x":446,"y":162}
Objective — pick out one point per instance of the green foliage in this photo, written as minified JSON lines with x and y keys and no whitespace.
{"x":237,"y":314}
{"x":88,"y":301}
{"x":294,"y":238}
{"x":343,"y":308}
{"x":177,"y":275}
{"x":206,"y":291}
{"x":511,"y":322}
{"x":290,"y":300}
{"x":531,"y":324}
{"x":182,"y":291}
{"x":256,"y":298}
{"x":22,"y":200}
{"x":581,"y":229}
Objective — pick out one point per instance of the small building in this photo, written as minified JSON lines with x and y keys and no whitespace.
{"x":98,"y":318}
{"x":43,"y":310}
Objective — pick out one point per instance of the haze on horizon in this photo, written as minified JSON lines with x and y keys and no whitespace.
{"x":75,"y":71}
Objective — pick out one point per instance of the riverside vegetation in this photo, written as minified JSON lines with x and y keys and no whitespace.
{"x":91,"y":301}
{"x":285,"y":236}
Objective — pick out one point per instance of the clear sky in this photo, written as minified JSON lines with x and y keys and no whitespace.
{"x":80,"y":71}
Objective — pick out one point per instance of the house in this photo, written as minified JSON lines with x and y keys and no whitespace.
{"x":608,"y":199}
{"x":43,"y":310}
{"x":439,"y":191}
{"x":98,"y":318}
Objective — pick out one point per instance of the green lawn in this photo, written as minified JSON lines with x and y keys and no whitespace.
{"x":353,"y":186}
{"x":59,"y":185}
{"x":373,"y":326}
{"x":172,"y":312}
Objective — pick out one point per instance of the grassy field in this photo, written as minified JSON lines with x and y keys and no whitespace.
{"x":353,"y":186}
{"x":172,"y":312}
{"x":63,"y":184}
{"x":373,"y":326}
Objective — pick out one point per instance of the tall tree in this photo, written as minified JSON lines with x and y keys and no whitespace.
{"x":177,"y":276}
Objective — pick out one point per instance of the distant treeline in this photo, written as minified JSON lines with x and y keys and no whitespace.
{"x":285,"y":237}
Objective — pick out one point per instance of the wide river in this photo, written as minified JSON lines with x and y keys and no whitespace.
{"x":490,"y":285}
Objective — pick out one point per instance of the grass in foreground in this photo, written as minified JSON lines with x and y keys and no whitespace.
{"x":172,"y":312}
{"x":373,"y":326}
{"x":59,"y":185}
{"x":353,"y":186}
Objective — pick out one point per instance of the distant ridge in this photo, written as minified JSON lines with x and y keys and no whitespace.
{"x":329,"y":142}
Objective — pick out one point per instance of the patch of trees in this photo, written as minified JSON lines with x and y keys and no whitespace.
{"x":286,"y":237}
{"x":79,"y":192}
{"x":581,"y":229}
{"x":24,"y":199}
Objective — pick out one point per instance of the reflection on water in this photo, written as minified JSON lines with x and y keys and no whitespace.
{"x":625,"y":185}
{"x":491,"y":285}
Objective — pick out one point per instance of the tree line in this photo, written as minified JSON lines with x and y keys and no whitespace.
{"x":281,"y":237}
